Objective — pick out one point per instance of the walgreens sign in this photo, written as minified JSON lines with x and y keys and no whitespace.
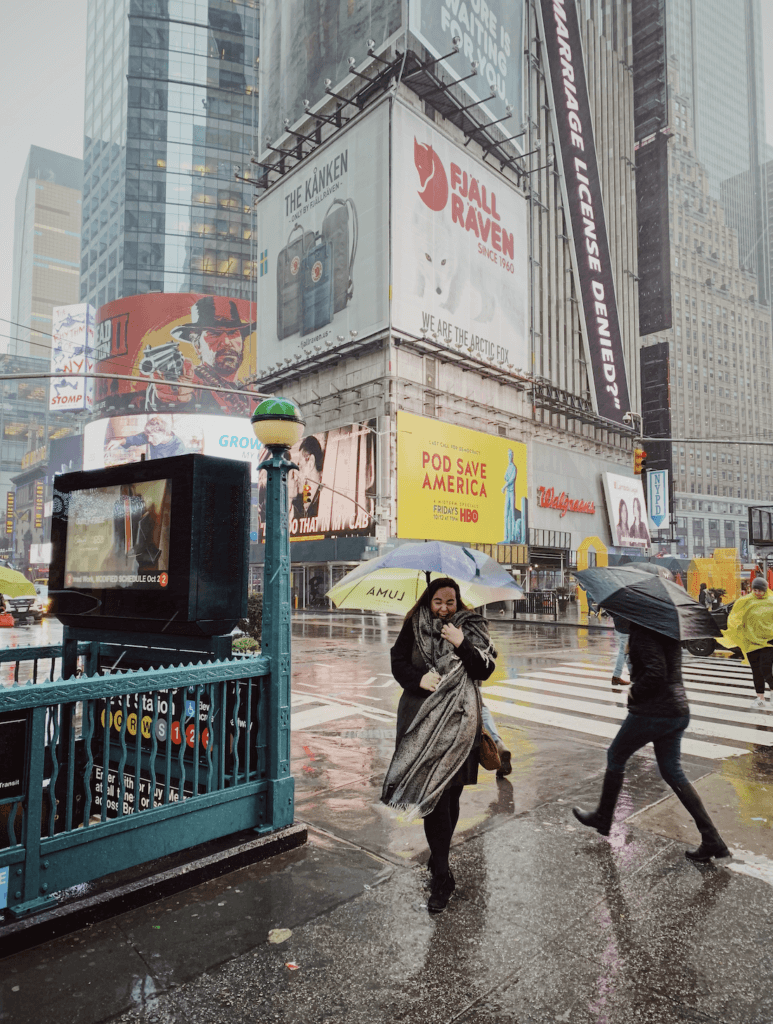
{"x":461,"y":232}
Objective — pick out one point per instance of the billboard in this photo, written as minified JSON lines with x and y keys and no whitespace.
{"x":458,"y":484}
{"x":626,"y":511}
{"x":170,"y":341}
{"x":65,"y":455}
{"x":491,"y":34}
{"x":333,"y":491}
{"x":323,"y":239}
{"x":586,"y":223}
{"x":116,"y":440}
{"x":119,"y":535}
{"x":460,"y":230}
{"x":304,"y":42}
{"x":72,"y":343}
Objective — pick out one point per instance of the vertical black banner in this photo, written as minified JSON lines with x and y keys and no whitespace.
{"x":582,"y":196}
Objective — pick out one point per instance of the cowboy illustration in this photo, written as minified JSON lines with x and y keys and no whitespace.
{"x":217,"y":333}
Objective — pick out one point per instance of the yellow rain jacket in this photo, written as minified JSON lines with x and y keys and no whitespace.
{"x":750,"y":623}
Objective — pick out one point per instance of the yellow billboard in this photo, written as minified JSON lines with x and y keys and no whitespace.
{"x":458,"y":484}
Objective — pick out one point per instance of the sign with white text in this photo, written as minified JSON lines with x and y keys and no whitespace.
{"x":581,"y":187}
{"x":657,"y":497}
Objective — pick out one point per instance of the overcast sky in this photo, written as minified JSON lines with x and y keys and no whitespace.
{"x":42,"y":79}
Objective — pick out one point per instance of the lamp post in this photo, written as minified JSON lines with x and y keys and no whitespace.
{"x":277,"y":424}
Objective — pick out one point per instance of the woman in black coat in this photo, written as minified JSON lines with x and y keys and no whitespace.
{"x":451,"y":623}
{"x":658,"y":713}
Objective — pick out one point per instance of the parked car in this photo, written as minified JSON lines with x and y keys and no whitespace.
{"x":706,"y":646}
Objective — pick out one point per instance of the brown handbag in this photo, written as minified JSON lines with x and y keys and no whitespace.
{"x":488,"y":755}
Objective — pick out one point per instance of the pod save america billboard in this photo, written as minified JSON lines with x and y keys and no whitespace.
{"x":460,"y":231}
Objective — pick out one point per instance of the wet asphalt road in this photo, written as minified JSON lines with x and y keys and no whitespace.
{"x":550,"y":923}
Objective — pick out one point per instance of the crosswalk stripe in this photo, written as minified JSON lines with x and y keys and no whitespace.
{"x":701,"y":682}
{"x":540,"y":716}
{"x":329,"y":713}
{"x":724,"y":731}
{"x":524,"y":684}
{"x":731,"y":698}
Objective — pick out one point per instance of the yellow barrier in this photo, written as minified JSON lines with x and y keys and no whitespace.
{"x":583,"y":562}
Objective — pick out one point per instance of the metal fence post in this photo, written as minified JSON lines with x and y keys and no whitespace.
{"x":275,"y":641}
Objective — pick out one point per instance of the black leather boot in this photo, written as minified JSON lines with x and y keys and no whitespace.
{"x":601,"y":818}
{"x":442,"y":888}
{"x":712,"y":844}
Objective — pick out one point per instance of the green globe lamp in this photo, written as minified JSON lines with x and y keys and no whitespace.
{"x":278,"y":424}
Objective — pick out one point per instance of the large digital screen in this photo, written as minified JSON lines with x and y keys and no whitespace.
{"x":333,"y":491}
{"x":627,"y":511}
{"x":176,"y":346}
{"x":119,"y":536}
{"x":323,"y":239}
{"x":461,"y":236}
{"x":458,"y":484}
{"x":116,"y":440}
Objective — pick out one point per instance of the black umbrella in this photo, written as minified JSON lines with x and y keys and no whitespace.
{"x":651,"y":601}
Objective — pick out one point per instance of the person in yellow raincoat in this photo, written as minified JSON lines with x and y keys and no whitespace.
{"x":750,"y":627}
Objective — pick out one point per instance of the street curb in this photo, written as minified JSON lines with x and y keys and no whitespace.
{"x":16,"y":936}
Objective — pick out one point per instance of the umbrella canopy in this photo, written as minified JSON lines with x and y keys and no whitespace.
{"x":396,"y":588}
{"x":651,"y":601}
{"x":13,"y":584}
{"x":461,"y":563}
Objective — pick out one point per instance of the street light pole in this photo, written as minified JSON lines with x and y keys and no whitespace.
{"x":277,"y":424}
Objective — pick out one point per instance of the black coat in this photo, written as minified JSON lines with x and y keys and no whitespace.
{"x":408,"y":667}
{"x":656,"y":675}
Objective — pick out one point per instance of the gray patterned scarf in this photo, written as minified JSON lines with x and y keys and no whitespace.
{"x":441,"y":736}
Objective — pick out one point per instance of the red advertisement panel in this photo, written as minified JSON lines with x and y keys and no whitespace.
{"x":170,"y":342}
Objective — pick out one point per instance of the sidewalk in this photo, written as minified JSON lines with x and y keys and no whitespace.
{"x":550,"y":923}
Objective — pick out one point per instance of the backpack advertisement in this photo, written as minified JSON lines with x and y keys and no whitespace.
{"x":323,"y":242}
{"x":462,"y":237}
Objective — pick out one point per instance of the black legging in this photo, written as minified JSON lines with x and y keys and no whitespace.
{"x":761,"y":663}
{"x":439,"y":827}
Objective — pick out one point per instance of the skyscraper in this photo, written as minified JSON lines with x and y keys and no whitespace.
{"x":46,"y":248}
{"x":171,"y":107}
{"x":716,"y":48}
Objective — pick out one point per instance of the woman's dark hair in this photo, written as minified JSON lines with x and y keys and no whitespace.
{"x":622,"y":509}
{"x":432,"y":589}
{"x":311,"y":446}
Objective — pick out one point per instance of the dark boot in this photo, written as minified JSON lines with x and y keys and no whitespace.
{"x":712,"y":844}
{"x":504,"y":757}
{"x":442,"y":887}
{"x":601,"y":818}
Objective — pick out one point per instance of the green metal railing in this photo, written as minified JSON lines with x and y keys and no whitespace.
{"x":103,"y":772}
{"x":113,"y":764}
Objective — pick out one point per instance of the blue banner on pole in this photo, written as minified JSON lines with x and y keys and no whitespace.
{"x":657,"y":496}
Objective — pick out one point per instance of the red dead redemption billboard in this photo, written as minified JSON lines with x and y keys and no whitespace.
{"x":461,"y":236}
{"x":581,"y":186}
{"x":170,"y":341}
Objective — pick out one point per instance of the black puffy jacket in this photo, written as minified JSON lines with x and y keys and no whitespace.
{"x":656,"y":675}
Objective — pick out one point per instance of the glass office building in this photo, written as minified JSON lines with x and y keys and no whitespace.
{"x":716,"y":48}
{"x":171,"y":108}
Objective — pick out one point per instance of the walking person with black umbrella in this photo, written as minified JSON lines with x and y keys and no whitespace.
{"x":658,"y":711}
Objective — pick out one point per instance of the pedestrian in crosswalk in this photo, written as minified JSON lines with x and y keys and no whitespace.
{"x":622,"y":626}
{"x":658,"y":713}
{"x":750,"y":627}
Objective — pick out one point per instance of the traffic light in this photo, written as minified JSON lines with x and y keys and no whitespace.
{"x":307,"y":494}
{"x":639,"y":460}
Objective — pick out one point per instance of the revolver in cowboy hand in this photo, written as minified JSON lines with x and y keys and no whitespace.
{"x":164,"y":363}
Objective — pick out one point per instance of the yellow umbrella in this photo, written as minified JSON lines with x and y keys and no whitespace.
{"x":14,"y":584}
{"x":397,"y":590}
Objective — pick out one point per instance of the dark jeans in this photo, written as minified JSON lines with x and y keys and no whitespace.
{"x":761,"y":662}
{"x":665,"y":734}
